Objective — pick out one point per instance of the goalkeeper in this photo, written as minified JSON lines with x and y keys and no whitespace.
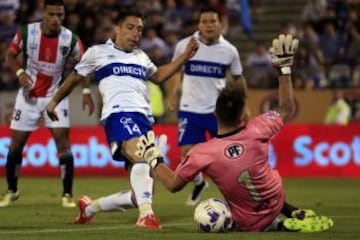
{"x":253,"y":190}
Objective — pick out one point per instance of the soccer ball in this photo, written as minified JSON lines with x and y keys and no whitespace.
{"x":212,"y":215}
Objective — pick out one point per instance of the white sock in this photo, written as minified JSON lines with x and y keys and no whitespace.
{"x":116,"y":202}
{"x":198,"y":179}
{"x":93,"y":208}
{"x":142,"y":185}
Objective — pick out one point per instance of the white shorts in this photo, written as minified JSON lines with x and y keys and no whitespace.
{"x":27,"y":113}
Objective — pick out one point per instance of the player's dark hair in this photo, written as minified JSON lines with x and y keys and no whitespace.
{"x":54,"y":2}
{"x":230,"y":104}
{"x":126,"y":12}
{"x":211,"y":10}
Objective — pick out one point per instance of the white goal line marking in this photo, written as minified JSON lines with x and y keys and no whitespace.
{"x":82,"y":229}
{"x":90,"y":228}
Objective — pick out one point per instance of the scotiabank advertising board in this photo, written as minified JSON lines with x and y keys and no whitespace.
{"x":297,"y":151}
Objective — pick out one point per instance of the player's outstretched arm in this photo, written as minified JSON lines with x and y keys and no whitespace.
{"x":283,"y":50}
{"x":147,"y":150}
{"x":87,"y":100}
{"x":166,"y":71}
{"x":66,"y":88}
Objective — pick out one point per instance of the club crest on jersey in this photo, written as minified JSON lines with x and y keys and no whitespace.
{"x":234,"y":150}
{"x":34,"y":32}
{"x":64,"y":50}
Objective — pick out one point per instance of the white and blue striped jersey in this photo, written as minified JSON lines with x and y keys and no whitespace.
{"x":121,"y":78}
{"x":204,"y":75}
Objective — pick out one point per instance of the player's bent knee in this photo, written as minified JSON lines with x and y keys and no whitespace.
{"x":128,"y":150}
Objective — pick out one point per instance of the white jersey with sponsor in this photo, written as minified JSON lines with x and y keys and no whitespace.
{"x":45,"y":58}
{"x":121,"y":77}
{"x":204,"y":75}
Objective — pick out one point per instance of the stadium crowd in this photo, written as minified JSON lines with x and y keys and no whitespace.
{"x":329,"y":33}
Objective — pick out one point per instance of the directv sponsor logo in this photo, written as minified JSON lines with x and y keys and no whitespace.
{"x":205,"y":69}
{"x":120,"y":69}
{"x":129,"y":70}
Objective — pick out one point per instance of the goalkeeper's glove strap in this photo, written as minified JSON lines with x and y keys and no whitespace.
{"x":155,"y":162}
{"x":285,"y":70}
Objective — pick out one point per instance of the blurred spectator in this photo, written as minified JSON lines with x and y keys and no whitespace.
{"x":352,"y":42}
{"x":306,"y":69}
{"x":155,"y":21}
{"x":154,"y":6}
{"x":329,"y":17}
{"x":189,"y":13}
{"x":36,"y":15}
{"x":313,"y":10}
{"x":255,"y":9}
{"x":8,"y":26}
{"x":261,"y":72}
{"x":171,"y":38}
{"x":331,"y":43}
{"x":172,"y":23}
{"x":86,"y":29}
{"x":287,"y":28}
{"x":104,"y":30}
{"x":8,"y":80}
{"x":9,"y":7}
{"x":152,"y":41}
{"x":108,"y":8}
{"x":339,"y":111}
{"x":171,"y":9}
{"x":310,"y":41}
{"x":27,"y":9}
{"x":73,"y":21}
{"x":341,"y":8}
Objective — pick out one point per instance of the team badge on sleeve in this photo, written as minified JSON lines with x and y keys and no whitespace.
{"x":234,"y":150}
{"x":272,"y":114}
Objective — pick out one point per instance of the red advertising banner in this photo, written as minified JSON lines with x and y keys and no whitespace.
{"x":298,"y":151}
{"x":89,"y":147}
{"x":317,"y":151}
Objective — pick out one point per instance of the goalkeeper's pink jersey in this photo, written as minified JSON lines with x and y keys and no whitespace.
{"x":238,"y":165}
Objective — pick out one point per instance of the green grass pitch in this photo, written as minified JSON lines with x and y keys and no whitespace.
{"x":37,"y":215}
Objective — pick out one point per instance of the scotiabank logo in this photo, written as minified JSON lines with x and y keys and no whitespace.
{"x":324,"y":153}
{"x":91,"y":154}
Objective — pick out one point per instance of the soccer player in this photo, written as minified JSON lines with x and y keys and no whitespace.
{"x":203,"y":77}
{"x":237,"y":158}
{"x":44,"y":48}
{"x":121,"y":69}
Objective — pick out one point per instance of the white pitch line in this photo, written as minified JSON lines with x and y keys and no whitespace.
{"x":80,"y":229}
{"x":94,"y":228}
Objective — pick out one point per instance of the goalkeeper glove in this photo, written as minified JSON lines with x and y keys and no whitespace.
{"x":148,"y":151}
{"x":283,"y":49}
